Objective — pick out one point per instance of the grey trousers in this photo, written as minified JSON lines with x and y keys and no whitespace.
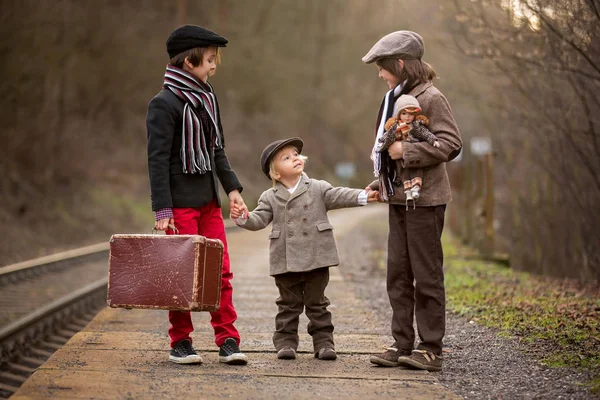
{"x":415,"y":277}
{"x":299,"y":291}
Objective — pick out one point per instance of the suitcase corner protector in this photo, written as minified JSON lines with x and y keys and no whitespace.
{"x":198,"y":239}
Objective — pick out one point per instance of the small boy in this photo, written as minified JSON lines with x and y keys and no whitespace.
{"x":302,"y":245}
{"x":411,"y":126}
{"x":186,"y":161}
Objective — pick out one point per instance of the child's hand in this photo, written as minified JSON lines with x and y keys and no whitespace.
{"x":372,"y":195}
{"x":164,"y":224}
{"x":236,"y":211}
{"x":235,"y":200}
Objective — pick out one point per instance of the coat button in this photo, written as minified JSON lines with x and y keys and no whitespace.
{"x":305,"y":207}
{"x":290,"y":234}
{"x":304,"y":234}
{"x":304,"y":220}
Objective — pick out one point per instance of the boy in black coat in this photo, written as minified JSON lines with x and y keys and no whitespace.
{"x":186,"y":159}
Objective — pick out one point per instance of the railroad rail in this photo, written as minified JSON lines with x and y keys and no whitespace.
{"x":44,"y":302}
{"x":26,"y":269}
{"x":41,"y":307}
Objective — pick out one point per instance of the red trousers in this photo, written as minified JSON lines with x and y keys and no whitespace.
{"x":206,"y":221}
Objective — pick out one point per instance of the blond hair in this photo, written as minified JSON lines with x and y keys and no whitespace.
{"x":273,"y":171}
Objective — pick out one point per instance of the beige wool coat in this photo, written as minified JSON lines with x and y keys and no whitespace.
{"x":302,"y":236}
{"x":436,"y":185}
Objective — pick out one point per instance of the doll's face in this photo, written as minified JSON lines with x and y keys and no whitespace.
{"x":407,"y":116}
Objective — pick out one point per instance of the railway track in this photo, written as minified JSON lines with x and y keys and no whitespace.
{"x":44,"y":302}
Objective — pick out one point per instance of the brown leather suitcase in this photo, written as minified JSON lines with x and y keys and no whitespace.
{"x":165,"y":272}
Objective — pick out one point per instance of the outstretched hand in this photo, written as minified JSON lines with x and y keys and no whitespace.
{"x":372,"y":195}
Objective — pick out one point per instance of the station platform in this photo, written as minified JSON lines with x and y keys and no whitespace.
{"x":123,"y":354}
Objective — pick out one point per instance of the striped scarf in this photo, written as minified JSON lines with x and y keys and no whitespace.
{"x":385,"y":112}
{"x":194,"y":150}
{"x":383,"y":165}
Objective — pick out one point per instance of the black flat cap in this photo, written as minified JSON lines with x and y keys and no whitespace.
{"x":190,"y":36}
{"x":271,"y":149}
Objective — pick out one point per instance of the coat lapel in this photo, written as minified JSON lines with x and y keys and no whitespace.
{"x":281,"y":192}
{"x":302,"y":187}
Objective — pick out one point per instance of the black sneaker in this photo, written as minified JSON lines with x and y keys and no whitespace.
{"x":390,"y":357}
{"x":231,"y":354}
{"x":184,"y":353}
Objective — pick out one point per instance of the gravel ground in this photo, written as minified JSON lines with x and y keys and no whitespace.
{"x":478,"y":364}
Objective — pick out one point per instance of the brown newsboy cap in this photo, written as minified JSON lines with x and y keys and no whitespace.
{"x":405,"y":45}
{"x":191,"y":36}
{"x":271,"y":149}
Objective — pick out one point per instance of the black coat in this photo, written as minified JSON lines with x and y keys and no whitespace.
{"x":169,"y":186}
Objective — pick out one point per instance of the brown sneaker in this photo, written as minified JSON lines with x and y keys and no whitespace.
{"x":390,"y":357}
{"x":286,"y":353}
{"x":421,"y":359}
{"x":326,"y":353}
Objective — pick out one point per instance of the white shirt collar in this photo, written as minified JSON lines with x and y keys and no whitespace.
{"x":293,"y":189}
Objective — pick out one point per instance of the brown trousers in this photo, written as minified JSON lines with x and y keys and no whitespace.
{"x":415,"y":277}
{"x":297,"y":291}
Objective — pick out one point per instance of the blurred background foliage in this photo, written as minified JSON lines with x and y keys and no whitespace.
{"x":77,"y":77}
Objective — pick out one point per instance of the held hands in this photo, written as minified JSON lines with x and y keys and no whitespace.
{"x":237,"y":207}
{"x":236,"y":212}
{"x":372,"y":195}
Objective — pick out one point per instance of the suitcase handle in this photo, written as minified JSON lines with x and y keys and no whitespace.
{"x":171,"y":226}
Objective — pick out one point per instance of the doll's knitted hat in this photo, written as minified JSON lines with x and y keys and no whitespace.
{"x":406,"y":102}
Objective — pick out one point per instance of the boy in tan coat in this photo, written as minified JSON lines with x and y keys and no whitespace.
{"x":302,"y":244}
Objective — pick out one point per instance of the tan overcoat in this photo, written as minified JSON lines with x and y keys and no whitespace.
{"x":302,"y":236}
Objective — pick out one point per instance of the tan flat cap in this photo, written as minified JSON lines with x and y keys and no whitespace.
{"x":405,"y":45}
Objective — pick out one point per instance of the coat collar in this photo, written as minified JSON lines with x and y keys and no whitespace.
{"x":420,"y":88}
{"x":282,"y":192}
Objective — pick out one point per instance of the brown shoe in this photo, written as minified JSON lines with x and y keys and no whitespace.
{"x":286,"y":353}
{"x":421,"y":359}
{"x":390,"y":357}
{"x":326,"y":353}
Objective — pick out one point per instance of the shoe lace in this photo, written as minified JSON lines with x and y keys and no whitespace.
{"x":429,"y":356}
{"x":231,"y":346}
{"x":185,"y":347}
{"x":390,"y":348}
